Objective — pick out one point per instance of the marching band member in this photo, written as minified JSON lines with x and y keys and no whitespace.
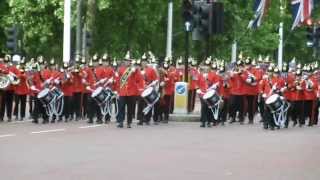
{"x":130,"y":81}
{"x":298,"y":87}
{"x":202,"y":89}
{"x":251,"y":76}
{"x":78,"y":89}
{"x":7,"y":102}
{"x":149,"y":75}
{"x":224,"y":91}
{"x":237,"y":102}
{"x":310,"y":95}
{"x":3,"y":72}
{"x":21,"y":92}
{"x":169,"y":83}
{"x":66,"y":78}
{"x":193,"y":75}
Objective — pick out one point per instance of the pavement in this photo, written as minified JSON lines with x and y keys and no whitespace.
{"x":178,"y":150}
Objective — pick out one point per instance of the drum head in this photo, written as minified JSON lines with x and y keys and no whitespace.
{"x":272,"y":99}
{"x":147,"y":92}
{"x":43,"y":93}
{"x":209,"y":94}
{"x":97,"y":92}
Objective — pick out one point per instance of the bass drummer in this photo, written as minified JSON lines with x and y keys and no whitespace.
{"x":150,"y":75}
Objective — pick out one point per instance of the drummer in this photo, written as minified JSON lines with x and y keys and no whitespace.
{"x":150,"y":77}
{"x":202,"y":89}
{"x":66,"y":78}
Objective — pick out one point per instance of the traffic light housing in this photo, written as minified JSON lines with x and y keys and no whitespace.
{"x":202,"y":20}
{"x":317,"y":36}
{"x":12,"y":39}
{"x":187,"y":10}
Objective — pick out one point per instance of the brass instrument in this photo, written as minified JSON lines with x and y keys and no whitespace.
{"x":8,"y":79}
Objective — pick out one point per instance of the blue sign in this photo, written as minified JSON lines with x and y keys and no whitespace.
{"x":181,"y":89}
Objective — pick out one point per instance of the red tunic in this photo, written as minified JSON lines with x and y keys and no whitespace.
{"x":134,"y":84}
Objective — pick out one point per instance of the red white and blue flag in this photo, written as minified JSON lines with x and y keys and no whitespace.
{"x":260,"y":8}
{"x":301,"y":11}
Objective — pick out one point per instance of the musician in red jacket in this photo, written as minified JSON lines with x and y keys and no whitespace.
{"x":237,"y":93}
{"x":310,"y":95}
{"x":7,"y":102}
{"x":3,"y":72}
{"x":224,"y":91}
{"x":130,"y":83}
{"x":66,"y":81}
{"x":193,"y":74}
{"x":298,"y":86}
{"x":149,"y":75}
{"x":21,"y":92}
{"x":205,"y":116}
{"x":169,"y":85}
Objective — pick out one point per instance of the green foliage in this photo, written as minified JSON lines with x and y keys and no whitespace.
{"x":140,"y":25}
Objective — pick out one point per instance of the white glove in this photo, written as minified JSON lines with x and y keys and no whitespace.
{"x":117,"y":74}
{"x":110,"y":81}
{"x":264,"y":95}
{"x":56,"y":81}
{"x":283,"y":89}
{"x":143,"y":72}
{"x":198,"y":91}
{"x":162,"y":84}
{"x":83,"y":81}
{"x":265,"y":77}
{"x":299,"y":88}
{"x":33,"y":88}
{"x":47,"y":81}
{"x":274,"y":87}
{"x":248,"y":80}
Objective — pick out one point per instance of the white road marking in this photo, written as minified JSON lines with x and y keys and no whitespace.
{"x":7,"y":135}
{"x":92,"y":126}
{"x":47,"y":131}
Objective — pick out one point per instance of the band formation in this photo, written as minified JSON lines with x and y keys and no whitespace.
{"x":101,"y":88}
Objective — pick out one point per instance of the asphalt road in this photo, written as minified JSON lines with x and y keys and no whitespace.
{"x":177,"y":151}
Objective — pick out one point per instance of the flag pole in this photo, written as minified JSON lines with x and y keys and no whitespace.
{"x":67,"y":31}
{"x":280,"y":48}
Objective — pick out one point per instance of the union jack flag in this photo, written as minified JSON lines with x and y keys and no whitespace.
{"x":301,"y":11}
{"x":260,"y":8}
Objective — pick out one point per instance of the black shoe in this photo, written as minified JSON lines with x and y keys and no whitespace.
{"x":53,"y":121}
{"x":310,"y":125}
{"x":60,"y":119}
{"x":265,"y":127}
{"x":232,"y":121}
{"x":202,"y":125}
{"x":140,"y":123}
{"x":250,"y":122}
{"x":272,"y":128}
{"x":9,"y":120}
{"x":241,"y":123}
{"x":99,"y":122}
{"x":35,"y":121}
{"x":209,"y":125}
{"x":45,"y":121}
{"x":148,"y":123}
{"x":120,"y":125}
{"x":90,"y":121}
{"x":129,"y":126}
{"x":156,"y":123}
{"x":222,"y":123}
{"x":286,"y":126}
{"x":301,"y":125}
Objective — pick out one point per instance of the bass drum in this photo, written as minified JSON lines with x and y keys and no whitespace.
{"x":46,"y":96}
{"x":57,"y":92}
{"x":150,"y":95}
{"x":100,"y":95}
{"x":211,"y":98}
{"x":275,"y":102}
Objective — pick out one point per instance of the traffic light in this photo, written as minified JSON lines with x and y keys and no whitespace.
{"x":202,"y":20}
{"x":187,"y":10}
{"x":12,"y":39}
{"x":310,"y":37}
{"x":317,"y":36}
{"x":88,"y":39}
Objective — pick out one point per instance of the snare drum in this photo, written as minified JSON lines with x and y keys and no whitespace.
{"x":274,"y":102}
{"x":57,"y":92}
{"x":46,"y":96}
{"x":100,"y":95}
{"x":211,"y":97}
{"x":150,"y":95}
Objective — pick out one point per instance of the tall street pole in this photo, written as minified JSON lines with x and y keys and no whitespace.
{"x":186,"y":66}
{"x":67,"y":31}
{"x":79,"y":28}
{"x":169,"y":29}
{"x":280,"y":48}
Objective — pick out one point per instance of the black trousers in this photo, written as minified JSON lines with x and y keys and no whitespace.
{"x":237,"y":105}
{"x":206,"y":115}
{"x":317,"y":112}
{"x":224,"y":110}
{"x":141,"y":105}
{"x":268,"y":121}
{"x":85,"y":98}
{"x":39,"y":111}
{"x":167,"y":106}
{"x":155,"y":111}
{"x":20,"y":100}
{"x":93,"y":110}
{"x":252,"y":106}
{"x":67,"y":108}
{"x":129,"y":102}
{"x":310,"y":111}
{"x":261,"y":105}
{"x":31,"y":102}
{"x":77,"y":104}
{"x":298,"y":112}
{"x":6,"y":104}
{"x":191,"y":100}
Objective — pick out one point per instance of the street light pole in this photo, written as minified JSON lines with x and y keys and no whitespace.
{"x":186,"y":66}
